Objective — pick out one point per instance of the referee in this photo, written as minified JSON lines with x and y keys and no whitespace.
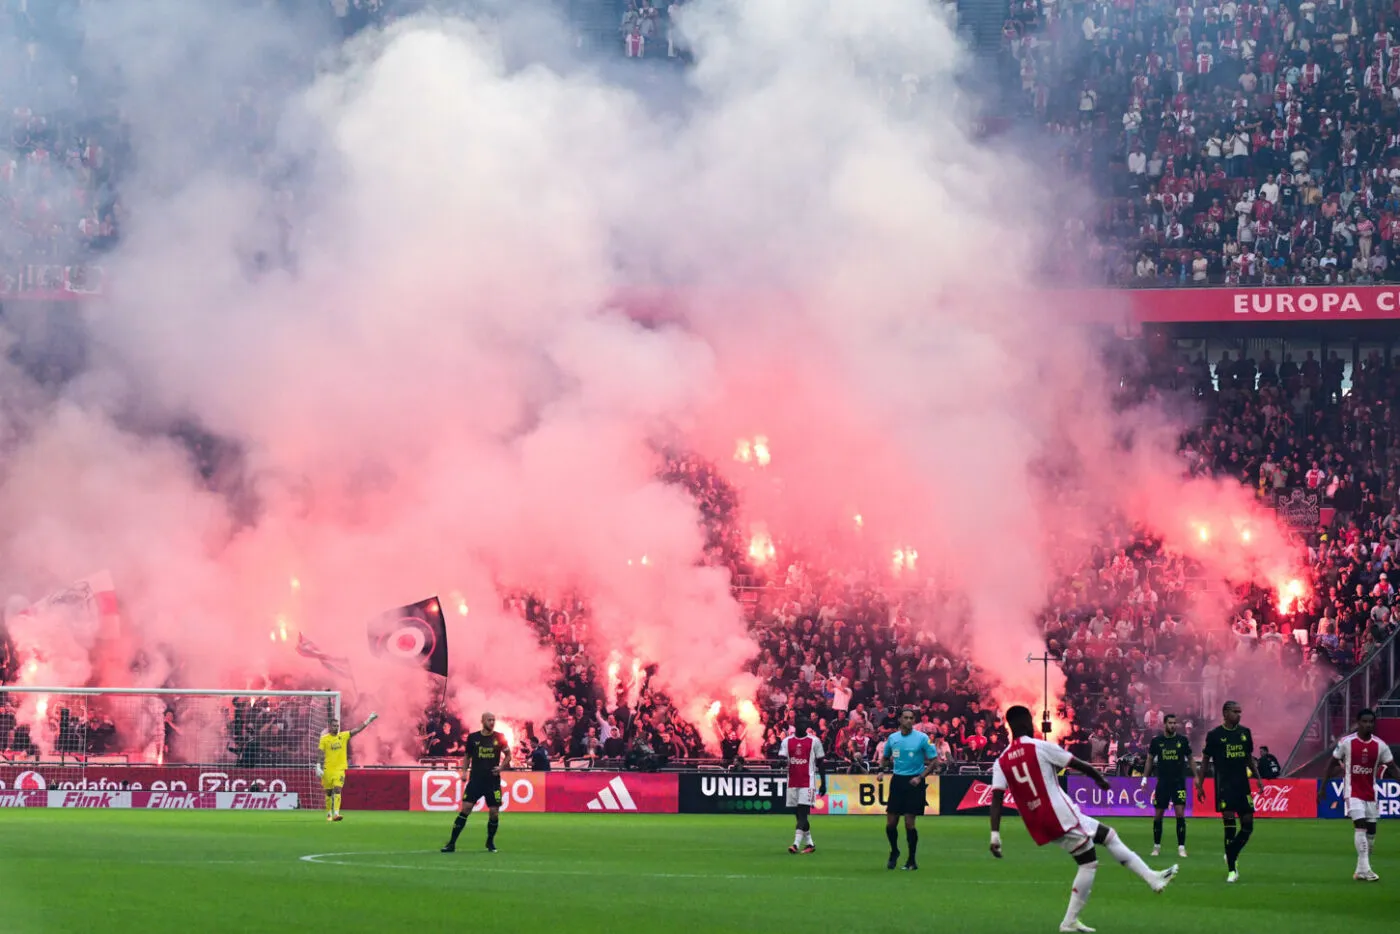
{"x":911,"y":757}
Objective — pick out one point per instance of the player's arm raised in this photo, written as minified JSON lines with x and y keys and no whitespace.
{"x":363,"y":726}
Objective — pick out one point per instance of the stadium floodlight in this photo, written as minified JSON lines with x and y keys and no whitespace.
{"x":206,"y":740}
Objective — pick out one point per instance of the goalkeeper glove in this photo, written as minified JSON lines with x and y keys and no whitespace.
{"x":320,"y":772}
{"x":372,"y":717}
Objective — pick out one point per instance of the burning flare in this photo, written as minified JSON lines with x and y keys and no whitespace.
{"x":761,"y":548}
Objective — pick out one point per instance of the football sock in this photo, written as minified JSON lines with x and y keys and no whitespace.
{"x":491,"y":824}
{"x":1181,"y":831}
{"x":912,"y":836}
{"x":1157,"y":831}
{"x":1229,"y":832}
{"x":1237,"y":844}
{"x":1079,"y":895}
{"x":1128,"y":858}
{"x":797,"y":838}
{"x":335,"y":801}
{"x":457,"y":826}
{"x":1363,"y":852}
{"x":893,"y":835}
{"x":329,"y":806}
{"x":1370,"y":839}
{"x":807,"y":838}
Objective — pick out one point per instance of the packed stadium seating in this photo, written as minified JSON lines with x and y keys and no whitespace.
{"x":1238,"y":143}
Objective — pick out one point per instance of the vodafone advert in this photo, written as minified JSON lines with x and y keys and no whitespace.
{"x":44,"y":777}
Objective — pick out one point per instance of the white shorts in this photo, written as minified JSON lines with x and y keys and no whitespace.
{"x":798,"y":797}
{"x":1363,"y":810}
{"x":1081,"y":837}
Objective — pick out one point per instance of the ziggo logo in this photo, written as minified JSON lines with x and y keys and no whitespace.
{"x":442,"y":791}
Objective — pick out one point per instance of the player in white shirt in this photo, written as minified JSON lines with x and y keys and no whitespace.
{"x":1361,"y":758}
{"x":1026,"y":773}
{"x":806,"y":779}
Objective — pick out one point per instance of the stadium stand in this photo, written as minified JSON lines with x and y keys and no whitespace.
{"x":1235,"y":143}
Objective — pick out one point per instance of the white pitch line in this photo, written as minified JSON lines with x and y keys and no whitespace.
{"x":325,"y":859}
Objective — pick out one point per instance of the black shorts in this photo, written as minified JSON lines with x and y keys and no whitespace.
{"x":905,"y":798}
{"x":1234,"y":796}
{"x":1169,"y":794}
{"x":488,"y":787}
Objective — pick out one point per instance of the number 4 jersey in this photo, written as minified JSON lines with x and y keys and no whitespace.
{"x":1027,"y":772}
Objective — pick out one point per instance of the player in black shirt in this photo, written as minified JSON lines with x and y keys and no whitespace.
{"x":481,"y":773}
{"x":1170,"y":756}
{"x":1230,"y":748}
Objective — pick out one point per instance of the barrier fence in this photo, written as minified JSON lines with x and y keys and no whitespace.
{"x":598,"y":792}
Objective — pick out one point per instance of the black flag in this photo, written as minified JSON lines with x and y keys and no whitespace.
{"x":413,"y":634}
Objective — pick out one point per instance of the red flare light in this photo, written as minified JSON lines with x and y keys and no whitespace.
{"x":761,"y":548}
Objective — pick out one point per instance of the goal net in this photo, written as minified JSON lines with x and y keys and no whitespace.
{"x":133,"y":747}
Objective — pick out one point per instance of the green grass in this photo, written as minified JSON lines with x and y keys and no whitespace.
{"x":92,"y":872}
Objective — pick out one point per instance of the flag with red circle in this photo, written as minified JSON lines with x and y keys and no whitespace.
{"x":412,"y":635}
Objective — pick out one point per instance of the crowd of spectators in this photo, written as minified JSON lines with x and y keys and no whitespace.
{"x":844,"y":650}
{"x":1236,"y":143}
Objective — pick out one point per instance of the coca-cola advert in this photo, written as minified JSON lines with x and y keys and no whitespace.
{"x":968,"y":795}
{"x":1282,"y":797}
{"x":1125,"y":797}
{"x":1387,"y":799}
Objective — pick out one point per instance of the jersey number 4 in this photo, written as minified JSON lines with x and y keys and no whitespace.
{"x":1022,"y":774}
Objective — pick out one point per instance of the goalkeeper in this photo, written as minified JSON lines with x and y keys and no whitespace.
{"x":335,"y":758}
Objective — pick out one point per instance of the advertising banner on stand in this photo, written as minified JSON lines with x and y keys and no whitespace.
{"x":1283,"y":797}
{"x":152,"y":800}
{"x":178,"y":786}
{"x":968,"y":795}
{"x":441,"y":790}
{"x":867,"y":794}
{"x":93,"y":777}
{"x":1125,"y":797}
{"x":587,"y":792}
{"x":734,"y":793}
{"x":1387,"y":799}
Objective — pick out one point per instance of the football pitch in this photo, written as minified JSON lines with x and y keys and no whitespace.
{"x":112,"y":871}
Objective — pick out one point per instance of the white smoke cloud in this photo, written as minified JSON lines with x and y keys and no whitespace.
{"x":433,"y":389}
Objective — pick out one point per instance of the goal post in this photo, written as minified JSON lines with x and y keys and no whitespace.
{"x":216,"y":748}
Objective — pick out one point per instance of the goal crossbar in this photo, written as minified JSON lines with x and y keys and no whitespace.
{"x":332,"y":696}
